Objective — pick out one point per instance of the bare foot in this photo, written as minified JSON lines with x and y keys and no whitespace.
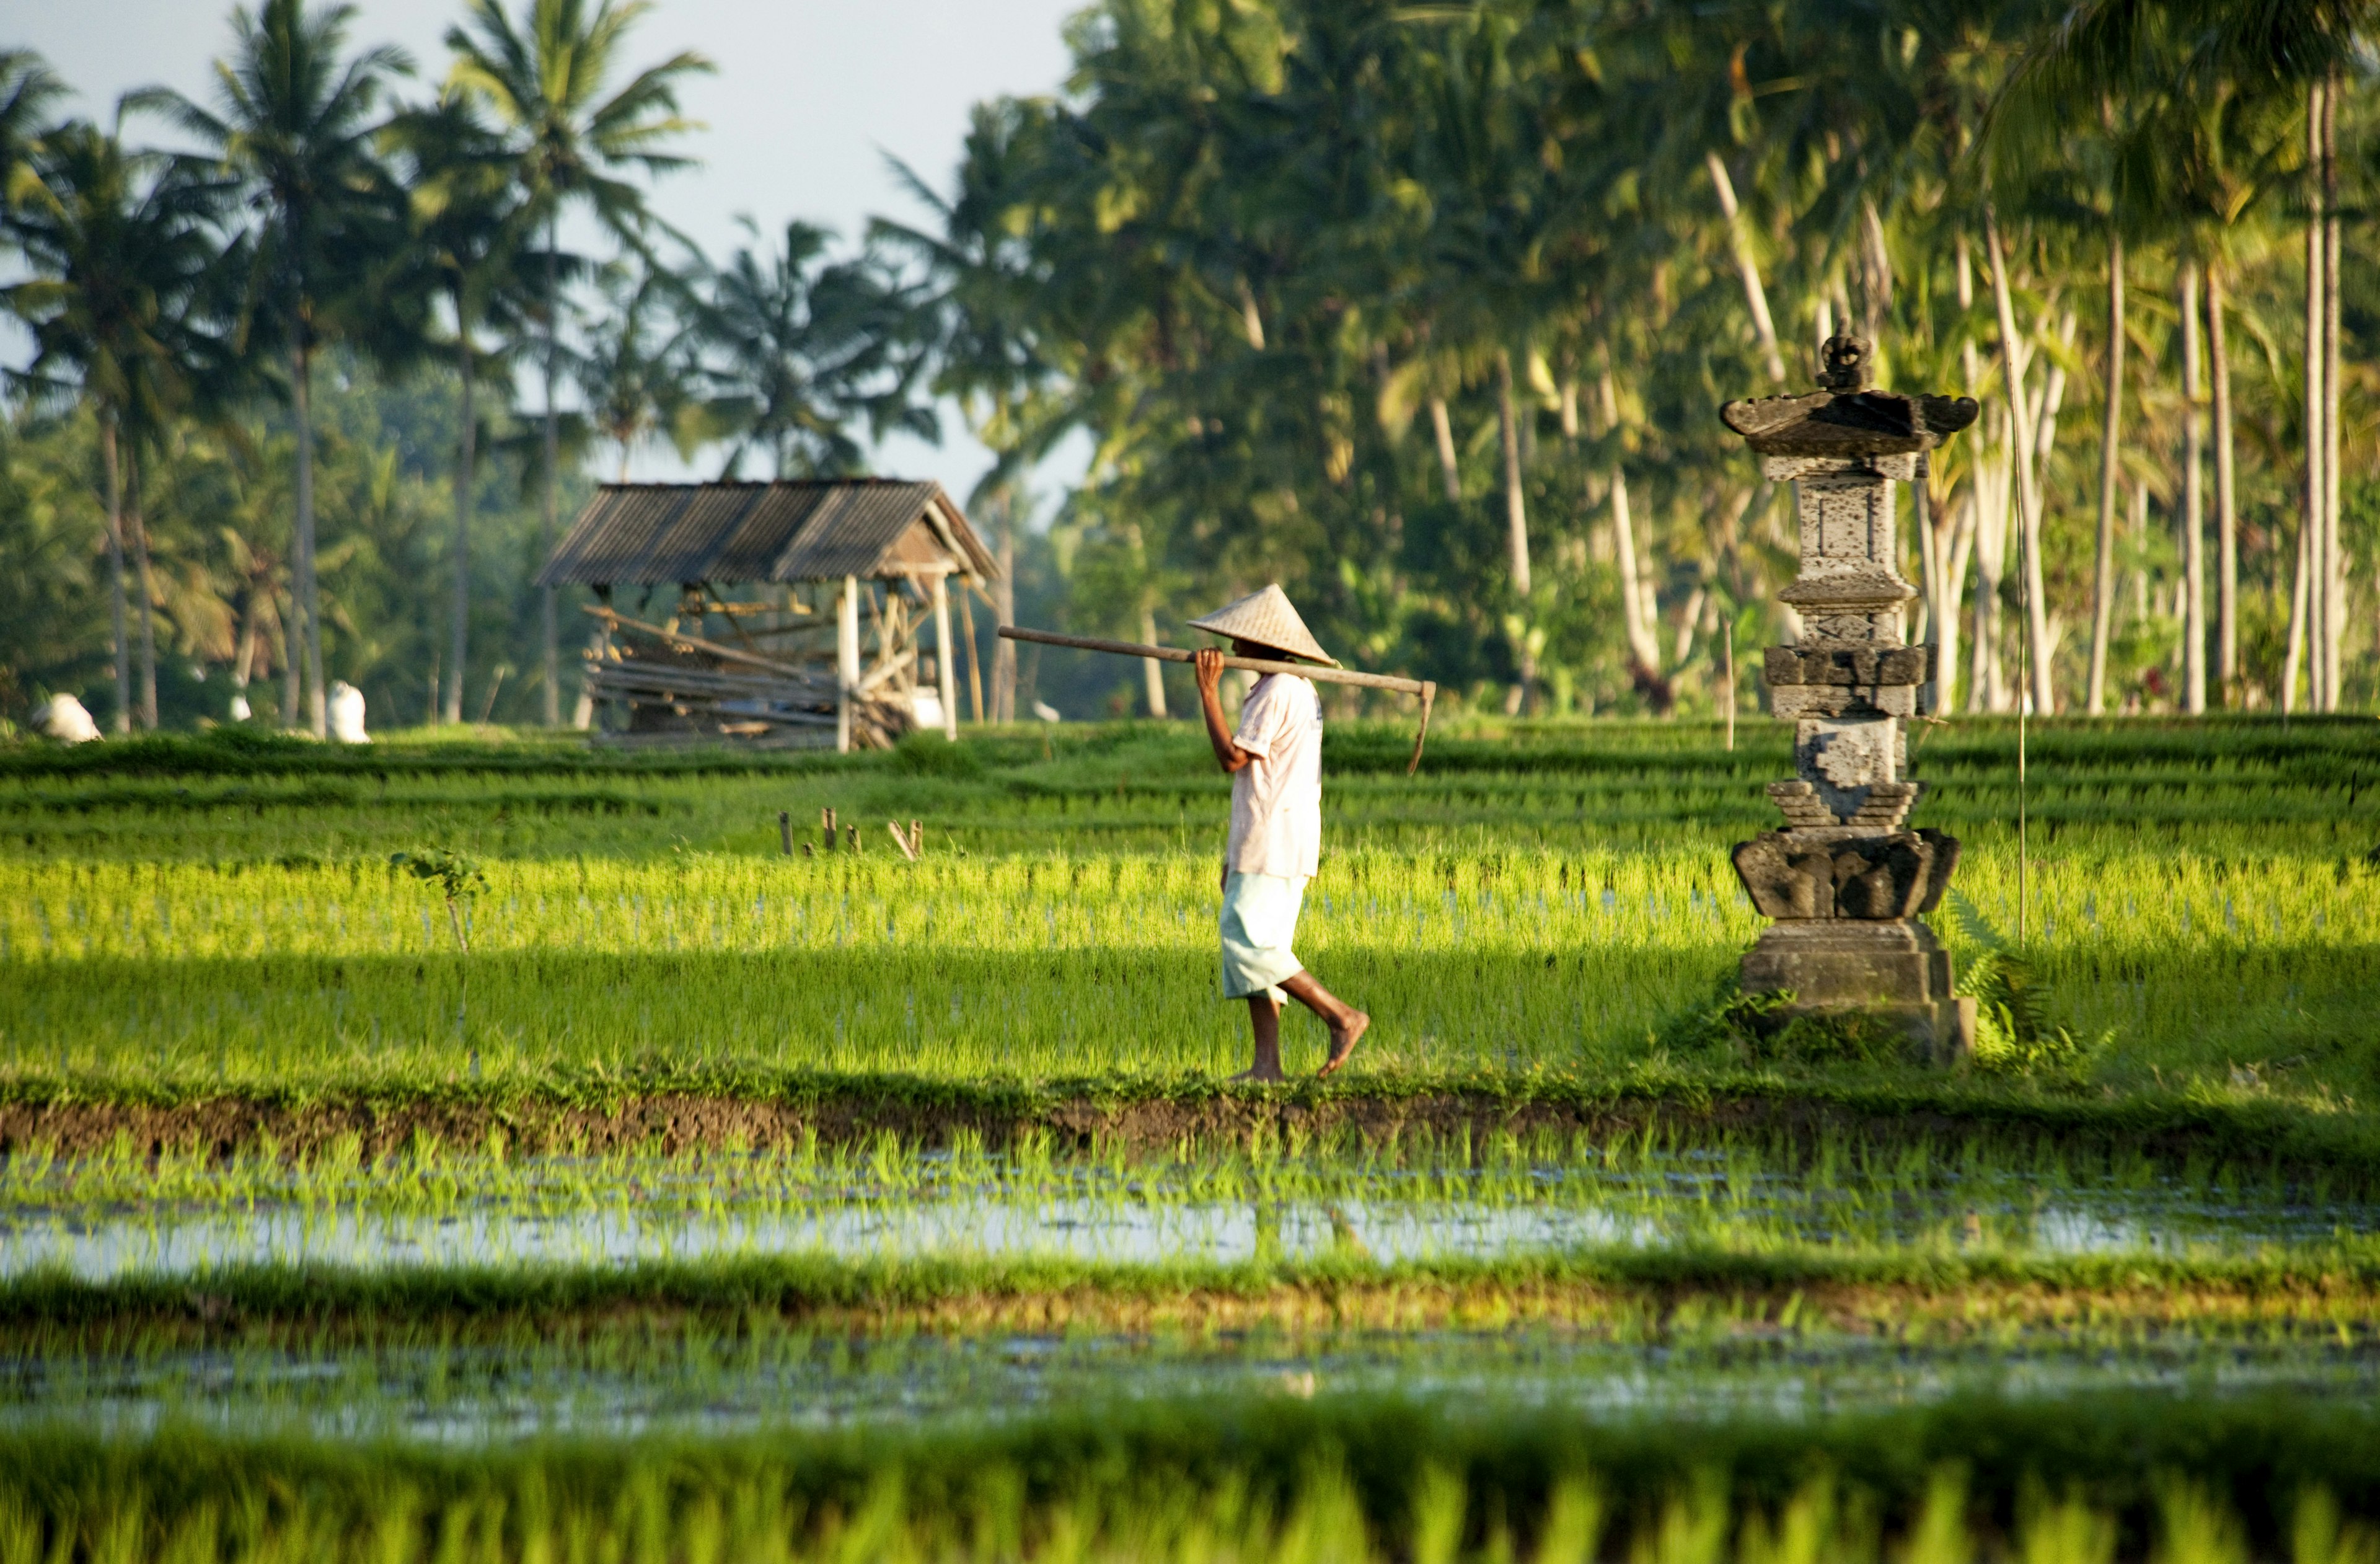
{"x":1272,"y":1076}
{"x":1343,"y":1041}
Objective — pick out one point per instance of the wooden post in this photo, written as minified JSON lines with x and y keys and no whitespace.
{"x":945,"y":664}
{"x":847,"y":660}
{"x":975,"y":658}
{"x":826,"y":827}
{"x":785,"y":831}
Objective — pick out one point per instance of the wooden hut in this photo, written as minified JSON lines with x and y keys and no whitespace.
{"x":794,"y":614}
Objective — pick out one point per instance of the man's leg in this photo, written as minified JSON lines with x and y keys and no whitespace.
{"x":1264,"y":1019}
{"x":1346,"y":1022}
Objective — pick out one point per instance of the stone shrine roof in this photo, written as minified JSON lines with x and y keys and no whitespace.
{"x":1844,"y":419}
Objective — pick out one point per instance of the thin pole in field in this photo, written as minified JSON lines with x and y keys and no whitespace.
{"x":1729,"y":647}
{"x":2023,"y":706}
{"x":2029,"y":522}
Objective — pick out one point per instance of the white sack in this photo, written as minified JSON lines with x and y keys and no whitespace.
{"x":347,"y":713}
{"x":63,"y":717}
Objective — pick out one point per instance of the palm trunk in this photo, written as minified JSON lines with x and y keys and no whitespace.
{"x":1516,"y":512}
{"x":1988,"y":684}
{"x":1688,"y":617}
{"x":1516,"y":520}
{"x":306,"y":592}
{"x":144,"y":579}
{"x":1756,"y":298}
{"x":243,"y":657}
{"x":2312,"y":540}
{"x":458,"y":640}
{"x":2103,"y":574}
{"x":2334,"y":617}
{"x":2023,"y":433}
{"x":1449,"y":468}
{"x":2226,"y":505}
{"x":550,"y":657}
{"x":109,"y":458}
{"x":1152,"y":670}
{"x":292,"y":660}
{"x":2193,"y":506}
{"x":1642,"y":648}
{"x":1923,"y":506}
{"x":1952,"y":551}
{"x":1004,"y":651}
{"x":2294,"y":658}
{"x":1641,"y":645}
{"x":1984,"y":521}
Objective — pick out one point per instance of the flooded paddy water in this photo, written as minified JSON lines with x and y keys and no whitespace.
{"x":129,"y":1218}
{"x":97,"y":1218}
{"x":770,"y":1379}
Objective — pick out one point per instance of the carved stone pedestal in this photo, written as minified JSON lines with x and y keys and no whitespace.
{"x":1892,"y":969}
{"x":1844,"y":879}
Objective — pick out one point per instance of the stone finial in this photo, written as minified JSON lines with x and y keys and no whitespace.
{"x":1850,"y":361}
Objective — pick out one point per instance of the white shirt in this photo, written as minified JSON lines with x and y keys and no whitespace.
{"x":1277,"y":796}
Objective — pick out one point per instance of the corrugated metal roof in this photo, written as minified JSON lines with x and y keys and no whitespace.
{"x":651,"y":534}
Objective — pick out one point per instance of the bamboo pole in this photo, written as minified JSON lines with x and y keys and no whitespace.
{"x":1426,"y":689}
{"x":614,"y":619}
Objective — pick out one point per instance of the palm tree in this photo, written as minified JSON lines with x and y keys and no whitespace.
{"x":1491,"y":235}
{"x":633,"y":371}
{"x":118,"y":244}
{"x":800,"y":349}
{"x":295,"y":125}
{"x":470,"y":226}
{"x":545,"y":77}
{"x":2201,"y":51}
{"x":28,"y":88}
{"x":989,"y":353}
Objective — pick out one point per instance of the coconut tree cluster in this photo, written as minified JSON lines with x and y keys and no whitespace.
{"x":1423,"y":312}
{"x":463,"y":256}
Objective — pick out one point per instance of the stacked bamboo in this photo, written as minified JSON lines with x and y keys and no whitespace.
{"x":675,"y":688}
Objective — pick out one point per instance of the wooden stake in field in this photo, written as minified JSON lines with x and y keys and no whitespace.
{"x":1425,"y":688}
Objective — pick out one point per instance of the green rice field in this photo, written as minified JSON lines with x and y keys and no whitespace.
{"x":672,"y":1196}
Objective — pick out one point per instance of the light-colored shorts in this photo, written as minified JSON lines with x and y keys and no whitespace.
{"x":1259,"y":920}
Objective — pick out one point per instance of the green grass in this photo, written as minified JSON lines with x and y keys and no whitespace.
{"x":2164,"y":965}
{"x":216,"y":992}
{"x":2319,"y":1294}
{"x":1256,"y":1478}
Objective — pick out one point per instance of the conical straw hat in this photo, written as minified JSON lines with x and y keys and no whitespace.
{"x":1267,"y":618}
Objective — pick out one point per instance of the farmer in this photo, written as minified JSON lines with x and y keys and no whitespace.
{"x":1275,"y":761}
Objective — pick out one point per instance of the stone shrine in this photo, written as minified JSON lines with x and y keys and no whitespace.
{"x":1844,"y":880}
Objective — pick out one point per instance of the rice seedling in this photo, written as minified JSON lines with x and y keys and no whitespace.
{"x":231,"y":975}
{"x":2073,"y":1481}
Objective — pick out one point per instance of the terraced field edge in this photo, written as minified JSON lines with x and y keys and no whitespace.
{"x":1627,"y":1293}
{"x":674,"y":1109}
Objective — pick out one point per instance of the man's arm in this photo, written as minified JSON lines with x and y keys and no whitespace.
{"x":1209,"y":665}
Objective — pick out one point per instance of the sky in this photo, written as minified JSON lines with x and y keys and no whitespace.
{"x":807,"y":98}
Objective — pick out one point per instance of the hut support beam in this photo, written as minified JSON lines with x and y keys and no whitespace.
{"x":847,"y":660}
{"x":945,"y":670}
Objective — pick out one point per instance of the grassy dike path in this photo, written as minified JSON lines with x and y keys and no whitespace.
{"x":2320,"y":1295}
{"x":674,"y":1110}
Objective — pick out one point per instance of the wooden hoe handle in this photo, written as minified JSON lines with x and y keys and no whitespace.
{"x":1425,"y":688}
